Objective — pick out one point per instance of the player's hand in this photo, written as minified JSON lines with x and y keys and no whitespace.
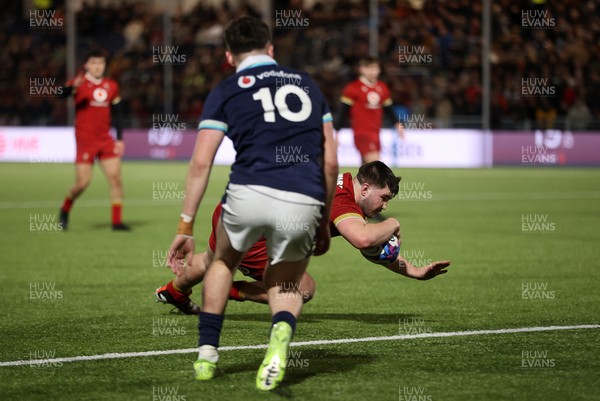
{"x":322,"y":240}
{"x":181,"y":248}
{"x":119,"y":148}
{"x":400,"y":129}
{"x":430,"y":271}
{"x":397,"y":231}
{"x":78,"y":80}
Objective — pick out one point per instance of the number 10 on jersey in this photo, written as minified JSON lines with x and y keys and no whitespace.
{"x":264,"y":96}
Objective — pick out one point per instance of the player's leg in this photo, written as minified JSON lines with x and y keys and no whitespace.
{"x":112,"y":170}
{"x":217,"y":285}
{"x":254,"y":291}
{"x":178,"y":291}
{"x":289,"y":250}
{"x":282,"y":281}
{"x":370,"y":157}
{"x":83,"y":177}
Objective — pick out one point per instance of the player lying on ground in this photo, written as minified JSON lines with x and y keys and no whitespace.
{"x":96,"y":97}
{"x":356,"y":198}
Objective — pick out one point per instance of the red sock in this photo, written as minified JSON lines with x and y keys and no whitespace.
{"x":235,"y":293}
{"x":176,"y":293}
{"x":67,"y":204}
{"x":116,"y":213}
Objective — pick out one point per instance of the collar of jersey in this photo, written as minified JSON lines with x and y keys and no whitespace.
{"x":255,"y":61}
{"x":93,"y":80}
{"x":366,"y":82}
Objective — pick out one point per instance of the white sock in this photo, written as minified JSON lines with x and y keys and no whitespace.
{"x":209,"y":353}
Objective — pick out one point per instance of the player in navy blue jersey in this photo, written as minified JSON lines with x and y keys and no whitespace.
{"x":281,"y":188}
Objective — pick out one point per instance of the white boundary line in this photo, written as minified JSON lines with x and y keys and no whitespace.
{"x":299,"y":344}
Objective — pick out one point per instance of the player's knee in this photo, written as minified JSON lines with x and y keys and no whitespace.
{"x":115,"y":180}
{"x":307,"y":296}
{"x":197,"y":269}
{"x":83,"y":183}
{"x":308,"y":289}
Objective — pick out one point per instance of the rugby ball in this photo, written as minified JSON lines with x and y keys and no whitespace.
{"x":383,"y":254}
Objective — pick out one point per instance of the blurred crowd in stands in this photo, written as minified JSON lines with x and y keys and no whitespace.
{"x":545,"y":57}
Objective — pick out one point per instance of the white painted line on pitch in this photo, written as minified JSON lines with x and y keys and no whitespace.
{"x":300,"y":344}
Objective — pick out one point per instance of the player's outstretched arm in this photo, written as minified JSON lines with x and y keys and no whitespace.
{"x":207,"y":143}
{"x":363,"y":235}
{"x":404,"y":267}
{"x":330,"y":173}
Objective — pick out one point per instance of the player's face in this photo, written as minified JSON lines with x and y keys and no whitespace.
{"x":370,"y":72}
{"x":95,"y":66}
{"x":374,"y":199}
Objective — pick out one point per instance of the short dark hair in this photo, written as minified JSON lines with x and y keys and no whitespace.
{"x":367,"y":60}
{"x":380,"y":175}
{"x":246,"y":34}
{"x":94,"y":54}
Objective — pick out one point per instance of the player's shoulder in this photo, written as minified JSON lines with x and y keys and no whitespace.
{"x":110,"y":81}
{"x":344,"y":203}
{"x":285,"y":74}
{"x":344,"y":181}
{"x":383,"y":85}
{"x":291,"y":70}
{"x":353,"y":87}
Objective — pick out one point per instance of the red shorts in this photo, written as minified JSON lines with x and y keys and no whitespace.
{"x":255,"y":261}
{"x":87,"y":152}
{"x":367,"y":143}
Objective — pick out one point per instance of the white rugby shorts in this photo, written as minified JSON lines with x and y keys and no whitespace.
{"x":288,"y":220}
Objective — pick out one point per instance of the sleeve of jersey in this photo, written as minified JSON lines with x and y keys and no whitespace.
{"x":347,"y":95}
{"x":117,"y":96}
{"x":79,"y":96}
{"x":344,"y":208}
{"x":213,"y":116}
{"x":387,"y":96}
{"x":327,"y":118}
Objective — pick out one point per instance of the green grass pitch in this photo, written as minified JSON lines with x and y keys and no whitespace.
{"x":524,"y":249}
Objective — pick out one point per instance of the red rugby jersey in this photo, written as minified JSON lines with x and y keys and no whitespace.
{"x":92,"y":104}
{"x":344,"y":205}
{"x":366,"y":103}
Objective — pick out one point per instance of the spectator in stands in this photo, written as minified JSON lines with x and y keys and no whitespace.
{"x":579,"y":116}
{"x":568,"y":53}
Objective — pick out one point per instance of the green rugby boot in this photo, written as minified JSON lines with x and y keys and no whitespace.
{"x":272,"y":369}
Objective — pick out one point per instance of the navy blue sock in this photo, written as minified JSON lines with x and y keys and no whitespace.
{"x":285,"y":316}
{"x":209,"y":327}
